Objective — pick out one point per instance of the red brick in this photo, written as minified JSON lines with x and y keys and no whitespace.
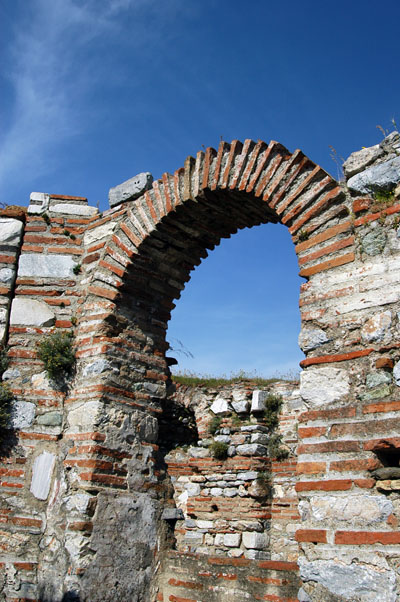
{"x":339,"y":357}
{"x":343,"y":412}
{"x":100,"y":291}
{"x":131,"y":235}
{"x":331,"y":485}
{"x":367,"y":537}
{"x":310,"y":467}
{"x":236,"y":148}
{"x":384,"y":362}
{"x":336,"y":246}
{"x":173,"y":598}
{"x":25,"y":522}
{"x":325,"y":235}
{"x":311,"y":431}
{"x":353,"y":465}
{"x":7,"y":259}
{"x":64,"y":250}
{"x":25,"y":566}
{"x":187,"y":584}
{"x":311,"y":535}
{"x":361,"y":205}
{"x":65,"y":197}
{"x":317,"y":208}
{"x":278,"y":565}
{"x":327,"y":265}
{"x":328,"y":447}
{"x":86,"y":526}
{"x":383,"y":444}
{"x":384,"y":406}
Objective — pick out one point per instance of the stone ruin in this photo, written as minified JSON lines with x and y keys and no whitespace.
{"x":118,"y":485}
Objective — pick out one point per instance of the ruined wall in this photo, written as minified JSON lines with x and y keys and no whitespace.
{"x":87,"y":479}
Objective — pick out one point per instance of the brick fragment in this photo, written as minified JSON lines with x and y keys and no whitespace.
{"x":311,"y":535}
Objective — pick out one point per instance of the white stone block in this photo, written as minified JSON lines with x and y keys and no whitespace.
{"x":98,"y":233}
{"x":241,"y":406}
{"x":42,"y":471}
{"x":220,"y":406}
{"x":46,"y":266}
{"x":22,"y":414}
{"x":130,"y":189}
{"x":258,"y":400}
{"x":10,"y":231}
{"x":6,"y":275}
{"x":323,"y":385}
{"x":255,"y":541}
{"x":71,"y":209}
{"x":87,"y":414}
{"x":232,"y":540}
{"x":376,"y":327}
{"x":31,"y":313}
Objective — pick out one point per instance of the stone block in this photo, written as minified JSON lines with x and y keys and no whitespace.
{"x":98,"y":233}
{"x":74,"y":209}
{"x":378,"y":378}
{"x":42,"y":471}
{"x":258,"y":400}
{"x":359,"y":160}
{"x":322,"y":385}
{"x":241,"y":406}
{"x":351,"y":508}
{"x":86,"y":415}
{"x":383,"y":176}
{"x":220,"y":406}
{"x":252,"y":449}
{"x":172,"y":514}
{"x":10,"y":231}
{"x":30,"y":312}
{"x":7,"y":275}
{"x":376,"y":327}
{"x":396,"y":373}
{"x":255,"y":540}
{"x":96,"y":367}
{"x":46,"y":266}
{"x":259,"y":438}
{"x":22,"y":414}
{"x":53,"y":418}
{"x":130,"y":189}
{"x":311,"y":338}
{"x":232,"y":540}
{"x":374,"y":242}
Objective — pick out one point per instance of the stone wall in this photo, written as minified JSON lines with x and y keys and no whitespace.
{"x":91,"y":489}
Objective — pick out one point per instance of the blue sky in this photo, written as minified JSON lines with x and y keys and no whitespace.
{"x":95,"y":91}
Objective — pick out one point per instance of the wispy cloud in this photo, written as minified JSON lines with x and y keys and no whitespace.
{"x":49,"y":80}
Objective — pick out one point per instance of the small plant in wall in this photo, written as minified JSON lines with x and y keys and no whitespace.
{"x":273,"y":404}
{"x":6,"y":398}
{"x":214,"y":424}
{"x":219,"y":450}
{"x":57,"y":354}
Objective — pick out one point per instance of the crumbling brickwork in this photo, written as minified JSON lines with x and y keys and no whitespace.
{"x":88,"y":485}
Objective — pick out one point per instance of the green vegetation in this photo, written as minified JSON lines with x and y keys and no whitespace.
{"x":57,"y":354}
{"x":214,"y":424}
{"x":191,"y":379}
{"x":384,"y":196}
{"x":6,"y":395}
{"x":275,"y":449}
{"x":303,"y":235}
{"x":219,"y":450}
{"x":46,"y":218}
{"x":273,"y":405}
{"x":77,"y":269}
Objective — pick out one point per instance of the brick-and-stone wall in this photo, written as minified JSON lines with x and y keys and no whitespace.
{"x":98,"y":501}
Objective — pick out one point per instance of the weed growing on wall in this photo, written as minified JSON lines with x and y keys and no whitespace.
{"x":273,"y":404}
{"x":6,"y":395}
{"x":219,"y":450}
{"x":214,"y":424}
{"x":57,"y":354}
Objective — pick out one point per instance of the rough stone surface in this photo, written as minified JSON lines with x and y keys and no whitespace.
{"x":42,"y":471}
{"x":46,"y":266}
{"x":31,"y":313}
{"x":378,"y":378}
{"x":10,"y":231}
{"x":383,"y":176}
{"x":311,"y":338}
{"x":359,"y":160}
{"x":323,"y":385}
{"x":220,"y":406}
{"x":376,"y":327}
{"x":361,"y":508}
{"x":354,"y":581}
{"x":396,"y":373}
{"x":130,"y":189}
{"x":92,"y":236}
{"x":72,"y":209}
{"x":374,"y":242}
{"x":22,"y":414}
{"x":50,"y":419}
{"x":254,"y":540}
{"x":258,"y":401}
{"x":96,"y":367}
{"x":6,"y":275}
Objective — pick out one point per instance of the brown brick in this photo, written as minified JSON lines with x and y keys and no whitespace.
{"x":353,"y":465}
{"x":100,"y":291}
{"x":384,"y":406}
{"x":336,"y":246}
{"x":311,"y":535}
{"x":317,"y":208}
{"x":367,"y":537}
{"x":330,"y":485}
{"x":327,"y":265}
{"x":384,"y":362}
{"x":311,"y":431}
{"x":338,"y":357}
{"x":325,"y":235}
{"x":310,"y":467}
{"x":342,"y":412}
{"x":361,"y":205}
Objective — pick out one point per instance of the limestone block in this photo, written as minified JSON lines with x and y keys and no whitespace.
{"x":172,"y":514}
{"x":46,"y":266}
{"x":22,"y":414}
{"x":311,"y":338}
{"x":10,"y":231}
{"x":72,"y":209}
{"x":376,"y":327}
{"x":87,"y":414}
{"x":324,"y":385}
{"x":241,"y":406}
{"x":230,"y":492}
{"x":198,"y":452}
{"x":259,"y":438}
{"x":42,"y":471}
{"x":192,"y":489}
{"x":250,"y":475}
{"x":396,"y":373}
{"x":193,"y":537}
{"x":31,"y":313}
{"x":374,"y":242}
{"x":7,"y":275}
{"x":222,"y":438}
{"x":378,"y":378}
{"x":205,"y":524}
{"x":11,"y":373}
{"x":98,"y":233}
{"x":258,"y":401}
{"x":383,"y":176}
{"x":130,"y":189}
{"x":220,"y":406}
{"x":96,"y":367}
{"x":232,"y":540}
{"x":216,"y":491}
{"x":359,"y":160}
{"x":252,"y":449}
{"x":78,"y":502}
{"x":351,"y":581}
{"x":360,"y":508}
{"x":255,"y":540}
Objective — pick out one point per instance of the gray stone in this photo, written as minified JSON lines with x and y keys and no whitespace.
{"x":353,"y":582}
{"x":374,"y":242}
{"x":46,"y":266}
{"x":391,"y":142}
{"x":383,"y":176}
{"x":311,"y":338}
{"x":223,"y":438}
{"x":241,"y":407}
{"x":6,"y":275}
{"x":252,"y":449}
{"x":376,"y":327}
{"x":41,"y":475}
{"x":231,"y":451}
{"x":259,"y":438}
{"x":96,"y":367}
{"x":258,"y":400}
{"x":302,"y":596}
{"x":50,"y":419}
{"x":232,"y":540}
{"x":216,"y":491}
{"x":172,"y":514}
{"x":386,"y":473}
{"x":230,"y":492}
{"x":378,"y":378}
{"x":252,"y":428}
{"x":319,"y":386}
{"x":247,"y":476}
{"x":376,"y":393}
{"x":254,"y":540}
{"x":31,"y":313}
{"x":74,"y":209}
{"x":10,"y":231}
{"x":359,"y":160}
{"x":130,"y":189}
{"x":364,"y":508}
{"x":22,"y":414}
{"x":11,"y":373}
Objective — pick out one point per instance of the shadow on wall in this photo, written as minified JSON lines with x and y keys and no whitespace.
{"x":47,"y":594}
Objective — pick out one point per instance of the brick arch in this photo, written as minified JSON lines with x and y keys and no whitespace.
{"x":133,"y":271}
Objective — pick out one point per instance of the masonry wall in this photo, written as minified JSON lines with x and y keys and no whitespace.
{"x":88,"y":484}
